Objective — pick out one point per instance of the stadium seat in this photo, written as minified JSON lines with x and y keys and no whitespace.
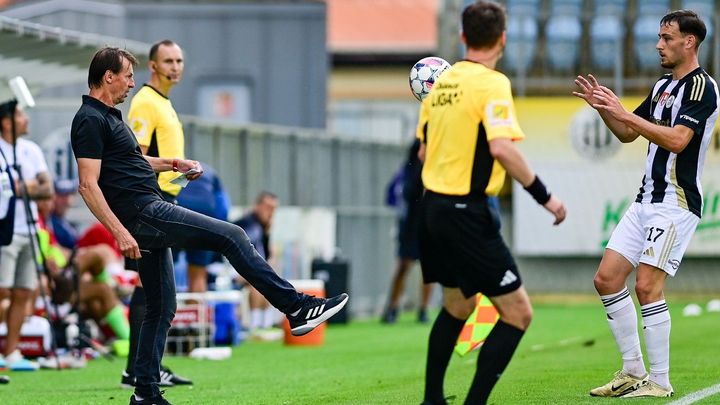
{"x":522,"y":35}
{"x":610,"y":7}
{"x":563,"y":34}
{"x":705,"y":9}
{"x":566,"y":7}
{"x":523,"y":7}
{"x":652,"y":7}
{"x":606,"y":36}
{"x":645,"y":32}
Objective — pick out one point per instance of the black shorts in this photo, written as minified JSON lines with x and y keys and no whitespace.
{"x":408,"y":228}
{"x":461,"y":246}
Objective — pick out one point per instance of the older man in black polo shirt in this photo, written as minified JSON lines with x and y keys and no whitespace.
{"x":119,"y":186}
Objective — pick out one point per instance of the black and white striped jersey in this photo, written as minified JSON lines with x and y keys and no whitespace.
{"x":692,"y":102}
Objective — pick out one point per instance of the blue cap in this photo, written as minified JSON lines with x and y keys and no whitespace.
{"x":66,"y":186}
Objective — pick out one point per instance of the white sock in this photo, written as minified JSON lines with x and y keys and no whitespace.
{"x":256,"y":318}
{"x":656,"y":327}
{"x":622,"y":318}
{"x":269,"y":317}
{"x":138,"y":397}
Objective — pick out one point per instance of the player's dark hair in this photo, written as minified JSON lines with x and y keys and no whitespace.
{"x":7,"y":109}
{"x":108,"y":58}
{"x":154,"y":48}
{"x":263,"y":195}
{"x":483,"y":23}
{"x":688,"y":23}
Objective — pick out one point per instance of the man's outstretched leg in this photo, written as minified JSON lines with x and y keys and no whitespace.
{"x":188,"y":229}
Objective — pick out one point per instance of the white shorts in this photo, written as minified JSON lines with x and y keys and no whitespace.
{"x":17,"y":264}
{"x":655,"y":234}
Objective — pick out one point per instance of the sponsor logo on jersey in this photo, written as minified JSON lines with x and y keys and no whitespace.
{"x":139,"y":128}
{"x":498,"y":114}
{"x":689,"y":118}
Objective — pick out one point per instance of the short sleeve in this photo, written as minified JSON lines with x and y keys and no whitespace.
{"x":643,"y":110}
{"x":88,"y":138}
{"x":498,"y":112}
{"x":699,"y":102}
{"x":142,"y":120}
{"x":38,"y":158}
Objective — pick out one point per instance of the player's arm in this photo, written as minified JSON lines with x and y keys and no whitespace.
{"x":673,"y":139}
{"x":698,"y":104}
{"x":589,"y":85}
{"x":505,"y":152}
{"x":89,"y":173}
{"x":421,"y":131}
{"x":178,"y":165}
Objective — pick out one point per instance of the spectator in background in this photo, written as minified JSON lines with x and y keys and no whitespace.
{"x":82,"y":276}
{"x":256,"y":225}
{"x":18,"y":278}
{"x":206,"y":196}
{"x":160,"y":134}
{"x":405,"y":193}
{"x":65,"y":232}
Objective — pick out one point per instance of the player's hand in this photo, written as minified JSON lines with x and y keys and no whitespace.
{"x":557,"y":208}
{"x":587,"y":86}
{"x":192,"y":168}
{"x":608,"y":101}
{"x":128,"y":245}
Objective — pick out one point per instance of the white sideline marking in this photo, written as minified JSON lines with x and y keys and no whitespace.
{"x":560,"y":343}
{"x":697,"y":395}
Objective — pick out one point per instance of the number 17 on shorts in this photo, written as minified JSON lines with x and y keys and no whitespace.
{"x":667,"y":235}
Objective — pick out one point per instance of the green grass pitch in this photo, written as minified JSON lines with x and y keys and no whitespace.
{"x":567,"y":351}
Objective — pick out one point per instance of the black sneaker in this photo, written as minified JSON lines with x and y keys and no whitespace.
{"x":389,"y":316}
{"x":423,"y":316}
{"x":156,"y":400}
{"x":315,"y":311}
{"x":127,"y":380}
{"x":166,"y":379}
{"x":166,"y":375}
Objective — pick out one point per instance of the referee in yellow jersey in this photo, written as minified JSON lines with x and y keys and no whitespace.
{"x":467,"y":127}
{"x":160,"y":134}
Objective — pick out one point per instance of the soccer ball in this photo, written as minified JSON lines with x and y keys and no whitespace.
{"x":424,"y":73}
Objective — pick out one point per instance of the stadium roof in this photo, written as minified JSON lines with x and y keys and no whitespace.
{"x":49,"y":56}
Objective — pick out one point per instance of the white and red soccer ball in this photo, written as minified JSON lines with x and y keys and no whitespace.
{"x":424,"y":73}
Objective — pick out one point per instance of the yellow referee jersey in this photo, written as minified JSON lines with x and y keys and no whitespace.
{"x":157,"y":127}
{"x":468,"y":106}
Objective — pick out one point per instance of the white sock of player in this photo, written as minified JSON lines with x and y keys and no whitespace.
{"x":622,"y":318}
{"x":256,"y":318}
{"x":656,"y":327}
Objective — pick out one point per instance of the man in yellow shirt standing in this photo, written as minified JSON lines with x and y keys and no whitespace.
{"x":467,"y":127}
{"x":160,"y":134}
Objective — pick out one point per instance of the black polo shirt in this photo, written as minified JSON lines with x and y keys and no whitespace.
{"x":126,"y":178}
